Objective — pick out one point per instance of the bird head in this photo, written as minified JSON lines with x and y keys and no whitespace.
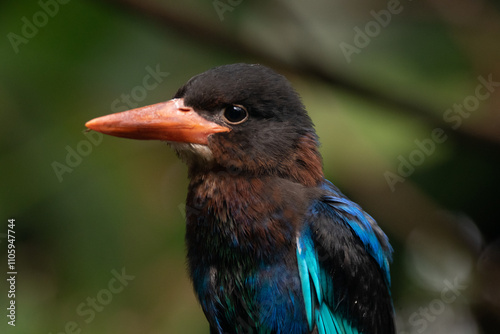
{"x":243,"y":118}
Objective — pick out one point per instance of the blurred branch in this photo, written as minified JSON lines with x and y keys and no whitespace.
{"x":216,"y":36}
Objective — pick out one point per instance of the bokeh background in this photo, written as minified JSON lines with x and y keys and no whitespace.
{"x":399,"y":94}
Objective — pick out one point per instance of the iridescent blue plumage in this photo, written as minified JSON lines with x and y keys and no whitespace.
{"x":328,"y":279}
{"x":323,"y":309}
{"x":363,"y":225}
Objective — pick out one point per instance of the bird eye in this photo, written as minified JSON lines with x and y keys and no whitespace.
{"x":235,"y":114}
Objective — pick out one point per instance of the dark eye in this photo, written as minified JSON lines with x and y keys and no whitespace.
{"x":235,"y":114}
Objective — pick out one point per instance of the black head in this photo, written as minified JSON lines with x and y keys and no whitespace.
{"x":271,"y":132}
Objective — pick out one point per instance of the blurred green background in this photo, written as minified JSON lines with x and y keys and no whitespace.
{"x":380,"y":80}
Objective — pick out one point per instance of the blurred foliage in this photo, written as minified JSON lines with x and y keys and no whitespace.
{"x":120,"y":206}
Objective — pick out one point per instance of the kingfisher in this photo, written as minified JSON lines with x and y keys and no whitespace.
{"x":272,"y":246}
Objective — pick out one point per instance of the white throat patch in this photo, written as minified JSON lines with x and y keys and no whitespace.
{"x":198,"y":150}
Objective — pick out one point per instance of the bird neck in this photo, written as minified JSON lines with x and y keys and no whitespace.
{"x":304,"y":165}
{"x":300,"y":163}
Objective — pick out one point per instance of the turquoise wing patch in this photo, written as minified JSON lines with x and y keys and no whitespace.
{"x":315,"y":283}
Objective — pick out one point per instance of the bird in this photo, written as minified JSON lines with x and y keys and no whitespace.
{"x":272,"y":245}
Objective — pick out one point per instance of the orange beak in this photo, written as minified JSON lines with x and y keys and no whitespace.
{"x":171,"y":121}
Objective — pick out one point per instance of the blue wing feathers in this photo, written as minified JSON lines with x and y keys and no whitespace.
{"x":319,"y":323}
{"x":316,"y":307}
{"x":327,"y":318}
{"x":312,"y":265}
{"x":317,"y":282}
{"x":306,"y":283}
{"x":362,"y":224}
